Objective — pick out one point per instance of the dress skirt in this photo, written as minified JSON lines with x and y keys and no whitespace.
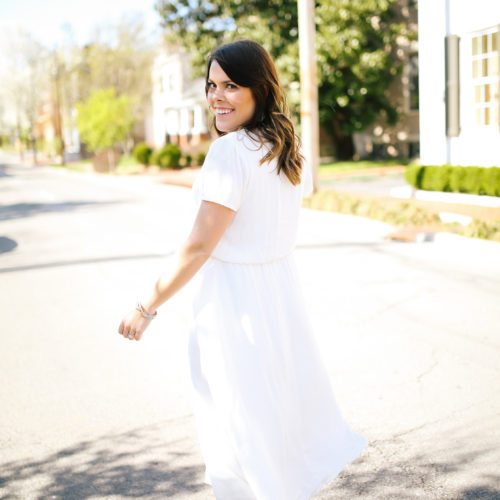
{"x":268,"y":423}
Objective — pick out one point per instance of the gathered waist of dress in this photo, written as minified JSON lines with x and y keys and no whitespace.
{"x":254,"y":262}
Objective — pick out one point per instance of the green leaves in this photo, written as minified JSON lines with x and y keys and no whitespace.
{"x":104,"y":119}
{"x":357,"y":44}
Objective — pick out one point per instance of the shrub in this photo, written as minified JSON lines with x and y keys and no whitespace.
{"x":440,"y":178}
{"x":187,"y":160}
{"x":200,"y":158}
{"x":153,"y":159}
{"x":168,"y":157}
{"x":489,"y":182}
{"x":411,"y":175}
{"x":470,"y":181}
{"x":474,"y":180}
{"x":142,"y":153}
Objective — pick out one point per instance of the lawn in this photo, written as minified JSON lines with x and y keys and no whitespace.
{"x":339,"y":166}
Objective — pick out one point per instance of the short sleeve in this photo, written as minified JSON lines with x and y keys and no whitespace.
{"x":222,"y":178}
{"x":306,"y":180}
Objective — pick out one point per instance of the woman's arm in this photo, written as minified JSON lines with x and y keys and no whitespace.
{"x":210,"y":224}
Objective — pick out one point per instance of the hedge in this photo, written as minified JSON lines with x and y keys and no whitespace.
{"x":167,"y":157}
{"x":142,"y":153}
{"x":472,"y":180}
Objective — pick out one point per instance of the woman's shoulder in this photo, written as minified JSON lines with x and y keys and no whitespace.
{"x":238,"y":142}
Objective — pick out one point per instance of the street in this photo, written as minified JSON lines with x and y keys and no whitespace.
{"x":409,"y":331}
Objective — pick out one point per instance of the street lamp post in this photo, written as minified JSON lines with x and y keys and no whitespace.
{"x":308,"y":87}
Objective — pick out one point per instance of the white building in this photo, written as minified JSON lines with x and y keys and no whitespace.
{"x":459,"y":60}
{"x":179,"y":112}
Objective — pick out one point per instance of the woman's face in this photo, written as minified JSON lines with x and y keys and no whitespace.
{"x":233,"y":105}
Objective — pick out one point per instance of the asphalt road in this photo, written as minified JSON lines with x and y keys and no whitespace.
{"x":409,"y":331}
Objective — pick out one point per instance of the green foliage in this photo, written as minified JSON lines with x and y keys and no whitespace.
{"x":104,"y":119}
{"x":488,"y":230}
{"x":489,"y":182}
{"x":356,"y":40}
{"x":167,"y":157}
{"x":142,"y":153}
{"x":357,"y":61}
{"x":118,"y":55}
{"x":412,"y":173}
{"x":188,"y":160}
{"x":200,"y":158}
{"x":472,"y":180}
{"x":435,"y":180}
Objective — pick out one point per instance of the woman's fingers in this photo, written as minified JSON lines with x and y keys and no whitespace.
{"x":132,"y":328}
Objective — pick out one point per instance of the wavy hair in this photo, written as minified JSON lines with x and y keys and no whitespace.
{"x":248,"y":64}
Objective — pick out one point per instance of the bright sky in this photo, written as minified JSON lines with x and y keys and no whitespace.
{"x":48,"y":20}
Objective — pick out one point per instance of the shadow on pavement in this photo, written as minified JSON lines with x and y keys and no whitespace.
{"x":163,"y":461}
{"x":20,"y":210}
{"x":421,"y":465}
{"x":79,"y":262}
{"x":152,"y":462}
{"x":6,"y":244}
{"x":3,"y":171}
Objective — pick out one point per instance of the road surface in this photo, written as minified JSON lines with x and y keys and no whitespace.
{"x":409,"y":331}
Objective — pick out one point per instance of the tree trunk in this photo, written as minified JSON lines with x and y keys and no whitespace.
{"x":33,"y":147}
{"x":344,"y":144}
{"x":111,"y":159}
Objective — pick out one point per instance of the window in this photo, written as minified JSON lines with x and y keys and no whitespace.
{"x":413,"y":81}
{"x":485,"y":77}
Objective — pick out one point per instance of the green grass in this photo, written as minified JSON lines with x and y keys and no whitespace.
{"x":77,"y":166}
{"x":128,"y":161}
{"x":339,"y":166}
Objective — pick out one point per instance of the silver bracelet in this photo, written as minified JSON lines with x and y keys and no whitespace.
{"x":144,"y":314}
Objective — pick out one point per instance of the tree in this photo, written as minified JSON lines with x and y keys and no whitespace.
{"x":358,"y":58}
{"x":104,"y":120}
{"x":119,"y":56}
{"x":27,"y":83}
{"x":357,"y":45}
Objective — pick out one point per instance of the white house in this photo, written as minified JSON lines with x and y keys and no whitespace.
{"x":179,"y":113}
{"x":459,"y":60}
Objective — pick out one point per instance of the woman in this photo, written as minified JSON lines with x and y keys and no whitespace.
{"x":267,"y":420}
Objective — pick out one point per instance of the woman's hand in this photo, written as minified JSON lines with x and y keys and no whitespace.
{"x":211,"y":221}
{"x":133,"y":325}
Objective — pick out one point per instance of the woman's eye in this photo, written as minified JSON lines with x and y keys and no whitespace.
{"x":231,"y":86}
{"x":211,"y":85}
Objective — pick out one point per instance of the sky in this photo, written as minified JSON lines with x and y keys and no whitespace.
{"x":48,"y":20}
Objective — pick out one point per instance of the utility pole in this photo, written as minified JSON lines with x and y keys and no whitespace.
{"x":309,"y":118}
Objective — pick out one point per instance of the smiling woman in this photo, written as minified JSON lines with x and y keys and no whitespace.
{"x":268,"y":423}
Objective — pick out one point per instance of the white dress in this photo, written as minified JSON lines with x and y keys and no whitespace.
{"x":268,"y":424}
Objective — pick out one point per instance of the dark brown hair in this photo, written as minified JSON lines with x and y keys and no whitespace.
{"x":248,"y":64}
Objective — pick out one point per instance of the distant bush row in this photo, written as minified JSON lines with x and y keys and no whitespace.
{"x":472,"y":180}
{"x":170,"y":156}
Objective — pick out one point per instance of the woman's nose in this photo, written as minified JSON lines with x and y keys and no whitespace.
{"x":218,"y":93}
